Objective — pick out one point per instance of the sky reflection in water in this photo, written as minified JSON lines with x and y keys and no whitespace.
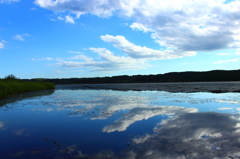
{"x":127,"y":124}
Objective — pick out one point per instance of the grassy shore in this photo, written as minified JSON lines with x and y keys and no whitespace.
{"x":12,"y":86}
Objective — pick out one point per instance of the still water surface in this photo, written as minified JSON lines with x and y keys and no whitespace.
{"x":98,"y":123}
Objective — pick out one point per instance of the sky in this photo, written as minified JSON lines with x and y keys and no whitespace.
{"x":98,"y":38}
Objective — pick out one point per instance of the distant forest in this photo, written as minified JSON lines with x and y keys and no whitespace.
{"x":208,"y":76}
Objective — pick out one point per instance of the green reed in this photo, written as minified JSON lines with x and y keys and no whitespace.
{"x":10,"y":87}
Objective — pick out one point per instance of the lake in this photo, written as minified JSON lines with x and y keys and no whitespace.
{"x":128,"y":121}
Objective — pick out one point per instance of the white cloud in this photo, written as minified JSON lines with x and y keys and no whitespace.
{"x":223,"y":54}
{"x":237,"y":53}
{"x":109,"y":63}
{"x":136,"y":57}
{"x":69,"y":19}
{"x":139,"y":52}
{"x":75,"y":52}
{"x":46,"y":58}
{"x":101,"y":8}
{"x":1,"y":45}
{"x":8,"y":1}
{"x":225,"y":61}
{"x":140,"y":27}
{"x":61,"y":71}
{"x":20,"y":37}
{"x":60,"y":18}
{"x":81,"y":57}
{"x":77,"y":71}
{"x":178,"y":25}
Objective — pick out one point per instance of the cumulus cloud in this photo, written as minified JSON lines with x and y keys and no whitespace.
{"x":139,"y":27}
{"x":109,"y":63}
{"x":81,"y":57}
{"x":8,"y":1}
{"x":69,"y":19}
{"x":138,"y":52}
{"x":225,"y":61}
{"x":136,"y":57}
{"x":20,"y":37}
{"x":177,"y":25}
{"x":101,"y":8}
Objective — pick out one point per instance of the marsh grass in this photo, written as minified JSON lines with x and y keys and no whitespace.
{"x":10,"y":87}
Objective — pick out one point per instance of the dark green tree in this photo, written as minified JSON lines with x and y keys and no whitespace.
{"x":11,"y":76}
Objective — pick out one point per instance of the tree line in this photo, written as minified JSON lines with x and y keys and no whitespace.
{"x":189,"y":76}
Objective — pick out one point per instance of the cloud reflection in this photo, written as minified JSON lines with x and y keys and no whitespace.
{"x":187,"y":135}
{"x":227,"y":101}
{"x":2,"y":126}
{"x":192,"y":135}
{"x":21,"y":132}
{"x":46,"y":110}
{"x":140,"y":113}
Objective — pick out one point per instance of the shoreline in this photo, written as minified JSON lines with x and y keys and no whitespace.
{"x":187,"y":87}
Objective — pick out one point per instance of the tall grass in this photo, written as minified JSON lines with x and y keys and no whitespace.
{"x":13,"y":86}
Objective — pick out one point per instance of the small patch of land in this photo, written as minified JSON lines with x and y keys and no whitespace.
{"x":10,"y":87}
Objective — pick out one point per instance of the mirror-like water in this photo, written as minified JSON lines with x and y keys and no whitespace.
{"x":88,"y":123}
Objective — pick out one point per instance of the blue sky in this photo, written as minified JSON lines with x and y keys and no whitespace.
{"x":97,"y":38}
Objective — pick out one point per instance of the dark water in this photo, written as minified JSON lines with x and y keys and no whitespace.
{"x":76,"y":121}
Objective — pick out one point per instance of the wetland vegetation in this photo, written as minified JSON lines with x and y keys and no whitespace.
{"x":11,"y":85}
